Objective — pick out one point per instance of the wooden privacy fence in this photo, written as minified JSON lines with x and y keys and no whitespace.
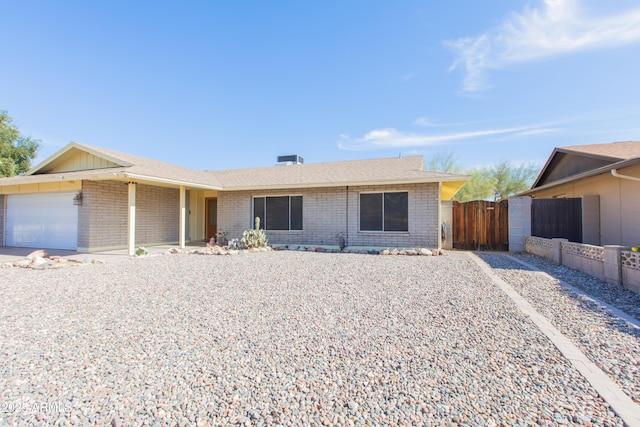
{"x":481,"y":225}
{"x":552,"y":218}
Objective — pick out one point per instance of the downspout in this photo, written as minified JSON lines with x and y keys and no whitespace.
{"x":615,"y":173}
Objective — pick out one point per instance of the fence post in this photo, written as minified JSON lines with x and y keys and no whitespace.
{"x":519,"y":222}
{"x":612,"y":265}
{"x":556,"y":250}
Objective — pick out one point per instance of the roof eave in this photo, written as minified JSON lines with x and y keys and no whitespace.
{"x":169,"y":181}
{"x":460,"y":178}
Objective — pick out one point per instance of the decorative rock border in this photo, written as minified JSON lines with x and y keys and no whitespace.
{"x":39,"y":260}
{"x":363,"y":251}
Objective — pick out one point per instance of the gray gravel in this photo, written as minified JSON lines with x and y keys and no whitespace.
{"x":609,"y":342}
{"x":279,"y":338}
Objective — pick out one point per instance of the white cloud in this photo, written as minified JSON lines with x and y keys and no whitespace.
{"x":408,"y":76}
{"x":556,"y":27}
{"x":392,"y":138}
{"x":423,"y":121}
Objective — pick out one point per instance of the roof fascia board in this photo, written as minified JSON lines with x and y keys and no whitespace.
{"x":102,"y":175}
{"x":461,"y":178}
{"x":175,"y":182}
{"x":544,"y":168}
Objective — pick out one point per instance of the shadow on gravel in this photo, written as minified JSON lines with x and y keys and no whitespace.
{"x":614,"y":294}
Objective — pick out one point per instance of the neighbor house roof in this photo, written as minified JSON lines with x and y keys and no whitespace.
{"x":572,"y":163}
{"x":565,"y":162}
{"x":384,"y":171}
{"x":615,"y":150}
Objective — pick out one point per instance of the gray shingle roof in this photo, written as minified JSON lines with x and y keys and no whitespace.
{"x":384,"y":171}
{"x":352,"y":172}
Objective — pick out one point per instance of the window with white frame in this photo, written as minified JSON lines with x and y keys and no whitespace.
{"x":278,"y":212}
{"x":384,"y":211}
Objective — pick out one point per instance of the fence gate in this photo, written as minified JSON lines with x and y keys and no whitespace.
{"x":557,"y":218}
{"x":481,"y":225}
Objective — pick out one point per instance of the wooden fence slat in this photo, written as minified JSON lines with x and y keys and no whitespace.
{"x":481,"y":225}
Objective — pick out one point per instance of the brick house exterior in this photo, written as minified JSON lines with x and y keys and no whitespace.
{"x":125,"y":201}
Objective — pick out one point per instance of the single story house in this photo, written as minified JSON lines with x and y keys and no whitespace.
{"x":607,"y":178}
{"x":89,"y":199}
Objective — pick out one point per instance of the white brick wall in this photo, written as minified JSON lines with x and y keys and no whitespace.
{"x":325,"y":216}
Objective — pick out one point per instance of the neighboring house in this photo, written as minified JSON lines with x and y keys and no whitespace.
{"x":607,"y":178}
{"x":90,"y":199}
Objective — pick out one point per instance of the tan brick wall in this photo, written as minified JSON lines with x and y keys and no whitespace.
{"x":103,"y":216}
{"x":325,"y":216}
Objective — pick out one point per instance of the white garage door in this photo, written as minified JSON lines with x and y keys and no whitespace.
{"x":42,"y":221}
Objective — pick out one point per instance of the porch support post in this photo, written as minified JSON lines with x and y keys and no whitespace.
{"x":131,"y":245}
{"x":183,"y":215}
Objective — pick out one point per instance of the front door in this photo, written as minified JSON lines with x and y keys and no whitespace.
{"x":211,"y":217}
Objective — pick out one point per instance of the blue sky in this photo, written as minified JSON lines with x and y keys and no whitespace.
{"x":229,"y":84}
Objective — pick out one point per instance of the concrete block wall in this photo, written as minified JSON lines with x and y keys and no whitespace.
{"x":611,"y":263}
{"x":519,"y":222}
{"x":103,"y":215}
{"x":327,"y":212}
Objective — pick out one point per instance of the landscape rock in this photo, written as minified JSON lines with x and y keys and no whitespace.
{"x":38,"y":253}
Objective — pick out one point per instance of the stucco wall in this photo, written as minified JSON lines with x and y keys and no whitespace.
{"x":103,"y":216}
{"x":619,"y":204}
{"x":325,"y":216}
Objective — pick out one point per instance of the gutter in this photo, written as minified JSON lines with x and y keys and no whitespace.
{"x":615,"y":173}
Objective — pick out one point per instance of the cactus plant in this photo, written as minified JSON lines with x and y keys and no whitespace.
{"x":255,"y":238}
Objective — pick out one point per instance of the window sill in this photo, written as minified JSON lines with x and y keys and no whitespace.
{"x":385,"y":233}
{"x":287,"y":232}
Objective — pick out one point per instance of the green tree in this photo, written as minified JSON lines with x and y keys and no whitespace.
{"x":444,"y":162}
{"x":487,"y":182}
{"x":479,"y":187}
{"x":510,"y":180}
{"x":16,"y":150}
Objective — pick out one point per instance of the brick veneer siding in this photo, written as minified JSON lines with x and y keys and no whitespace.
{"x":103,"y":215}
{"x":325,"y":216}
{"x":2,"y":217}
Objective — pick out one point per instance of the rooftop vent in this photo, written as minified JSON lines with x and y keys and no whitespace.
{"x":292,"y":159}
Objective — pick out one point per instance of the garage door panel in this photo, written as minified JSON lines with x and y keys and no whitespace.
{"x":42,"y":221}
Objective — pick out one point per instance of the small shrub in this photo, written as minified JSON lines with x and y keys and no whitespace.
{"x":142,"y":251}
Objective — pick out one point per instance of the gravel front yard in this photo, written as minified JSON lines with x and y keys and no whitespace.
{"x":292,"y":338}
